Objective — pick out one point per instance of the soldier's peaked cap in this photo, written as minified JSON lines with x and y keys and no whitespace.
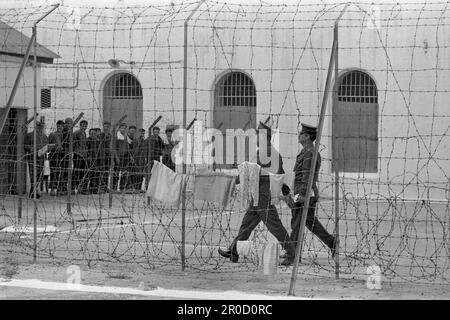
{"x":309,"y":129}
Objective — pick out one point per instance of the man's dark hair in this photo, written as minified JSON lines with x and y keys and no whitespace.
{"x":59,"y":122}
{"x":142,"y":130}
{"x":98,"y":129}
{"x":107,"y":122}
{"x":83,"y":122}
{"x":169,"y":130}
{"x":123,"y":124}
{"x":92,"y":129}
{"x":132,"y":127}
{"x":156,"y":128}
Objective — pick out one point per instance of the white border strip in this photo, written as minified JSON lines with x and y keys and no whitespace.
{"x":157,"y":293}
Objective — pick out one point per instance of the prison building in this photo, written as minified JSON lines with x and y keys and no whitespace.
{"x":386,"y":133}
{"x":13,"y":45}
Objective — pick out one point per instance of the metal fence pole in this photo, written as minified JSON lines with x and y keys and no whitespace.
{"x":299,"y":240}
{"x":336,"y":167}
{"x":314,"y":159}
{"x":35,"y":184}
{"x":185,"y":76}
{"x":70,"y":172}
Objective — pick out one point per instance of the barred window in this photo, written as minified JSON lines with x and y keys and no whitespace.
{"x":355,"y":126}
{"x":46,"y":98}
{"x":235,"y":89}
{"x":123,"y":86}
{"x":357,"y":86}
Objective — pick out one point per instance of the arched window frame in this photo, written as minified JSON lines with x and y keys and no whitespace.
{"x":123,"y":85}
{"x":357,"y":86}
{"x":235,"y":89}
{"x":355,"y":140}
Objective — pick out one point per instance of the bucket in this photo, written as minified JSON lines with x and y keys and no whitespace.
{"x":269,"y":258}
{"x":244,"y":248}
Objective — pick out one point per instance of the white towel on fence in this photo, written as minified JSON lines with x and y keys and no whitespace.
{"x":249,"y":181}
{"x":276,"y":183}
{"x":165,"y":185}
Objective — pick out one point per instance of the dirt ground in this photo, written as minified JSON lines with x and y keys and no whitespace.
{"x":141,"y":244}
{"x":249,"y":282}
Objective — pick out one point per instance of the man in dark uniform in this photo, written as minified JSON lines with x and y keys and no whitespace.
{"x":41,"y":145}
{"x":302,"y":170}
{"x":156,"y":145}
{"x":93,"y":146}
{"x":168,"y":147}
{"x":264,"y":211}
{"x":140,"y":157}
{"x":80,"y":157}
{"x":104,"y":156}
{"x":123,"y":155}
{"x":131,"y":179}
{"x":155,"y":149}
{"x":56,"y":153}
{"x":65,"y":162}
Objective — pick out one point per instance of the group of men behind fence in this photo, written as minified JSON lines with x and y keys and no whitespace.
{"x":96,"y":156}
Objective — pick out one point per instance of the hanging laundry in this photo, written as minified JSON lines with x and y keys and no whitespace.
{"x":213,"y":186}
{"x":249,"y":181}
{"x":165,"y":185}
{"x":276,"y":183}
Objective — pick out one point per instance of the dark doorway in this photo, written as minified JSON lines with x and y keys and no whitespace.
{"x":12,"y":160}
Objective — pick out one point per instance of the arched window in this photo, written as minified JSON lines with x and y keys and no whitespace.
{"x":123,"y":86}
{"x":235,"y":89}
{"x":355,"y":129}
{"x":122,"y":95}
{"x":357,"y":86}
{"x":234,"y":108}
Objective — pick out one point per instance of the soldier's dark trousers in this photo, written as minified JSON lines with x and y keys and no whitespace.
{"x":268,"y":214}
{"x":312,"y":223}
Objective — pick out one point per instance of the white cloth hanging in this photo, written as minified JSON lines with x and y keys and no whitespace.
{"x":249,"y":181}
{"x":165,"y":185}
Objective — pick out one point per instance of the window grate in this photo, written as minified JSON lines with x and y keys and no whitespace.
{"x":46,"y":98}
{"x":123,"y":86}
{"x":357,"y":86}
{"x":235,"y":89}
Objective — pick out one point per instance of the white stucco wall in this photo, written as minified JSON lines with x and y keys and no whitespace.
{"x":24,"y":98}
{"x":286,"y":50}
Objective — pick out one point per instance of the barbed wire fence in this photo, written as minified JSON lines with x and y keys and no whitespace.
{"x":393,"y":196}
